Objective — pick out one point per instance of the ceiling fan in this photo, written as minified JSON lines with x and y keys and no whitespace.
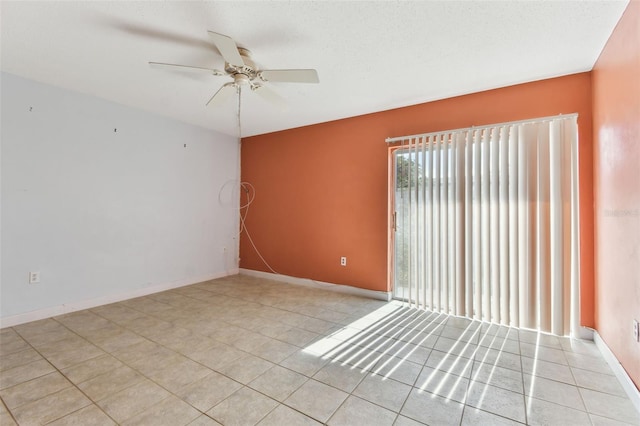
{"x":245,"y":72}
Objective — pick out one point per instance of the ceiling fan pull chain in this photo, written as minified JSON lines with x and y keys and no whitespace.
{"x":239,"y":105}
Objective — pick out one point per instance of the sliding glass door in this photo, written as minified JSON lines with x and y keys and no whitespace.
{"x":486,"y":222}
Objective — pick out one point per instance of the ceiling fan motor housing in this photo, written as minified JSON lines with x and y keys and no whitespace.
{"x":242,"y":74}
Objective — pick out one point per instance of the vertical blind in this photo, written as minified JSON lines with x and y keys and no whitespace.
{"x":486,"y":222}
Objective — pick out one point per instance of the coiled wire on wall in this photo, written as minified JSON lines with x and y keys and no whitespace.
{"x":250,"y":193}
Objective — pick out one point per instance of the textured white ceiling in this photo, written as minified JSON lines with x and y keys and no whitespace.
{"x":370,"y":56}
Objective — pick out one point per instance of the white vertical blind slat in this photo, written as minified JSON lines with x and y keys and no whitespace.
{"x":494,"y":217}
{"x":575,"y":228}
{"x":468,"y":226}
{"x":485,"y":225}
{"x":423,"y":218}
{"x":566,"y":138}
{"x":409,"y":235}
{"x":524,"y":278}
{"x":451,"y":214}
{"x":430,"y":255}
{"x":444,"y":224}
{"x":514,"y":311}
{"x":542,"y":233}
{"x":460,"y":226}
{"x":405,"y":225}
{"x":437,"y":281}
{"x":477,"y":258}
{"x":417,"y":225}
{"x":556,"y":249}
{"x":503,"y":205}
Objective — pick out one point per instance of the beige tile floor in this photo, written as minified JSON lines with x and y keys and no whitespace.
{"x":244,"y":351}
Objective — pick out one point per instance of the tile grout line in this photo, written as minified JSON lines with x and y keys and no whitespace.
{"x":524,"y":392}
{"x":64,"y":375}
{"x":9,"y":411}
{"x":466,"y":392}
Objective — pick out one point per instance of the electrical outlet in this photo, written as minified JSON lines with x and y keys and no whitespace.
{"x":636,"y":330}
{"x":343,"y":261}
{"x":34,"y":277}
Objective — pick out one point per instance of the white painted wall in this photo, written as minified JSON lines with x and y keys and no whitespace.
{"x":105,"y":215}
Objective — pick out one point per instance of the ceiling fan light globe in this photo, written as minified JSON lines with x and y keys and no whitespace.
{"x":241,"y":79}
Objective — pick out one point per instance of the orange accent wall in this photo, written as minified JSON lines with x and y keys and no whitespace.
{"x":322,"y":189}
{"x":616,"y":123}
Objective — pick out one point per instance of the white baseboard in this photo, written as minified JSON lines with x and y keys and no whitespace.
{"x":584,"y":333}
{"x":372,"y":294}
{"x":627,"y":384}
{"x":10,"y":321}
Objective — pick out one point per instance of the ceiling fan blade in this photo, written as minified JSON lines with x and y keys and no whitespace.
{"x":186,"y":67}
{"x":270,"y":96}
{"x":222,"y":94}
{"x":290,"y":76}
{"x":228,"y":49}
